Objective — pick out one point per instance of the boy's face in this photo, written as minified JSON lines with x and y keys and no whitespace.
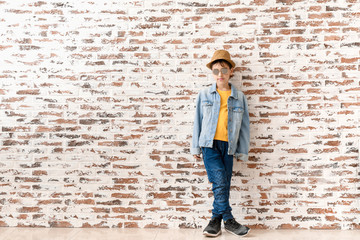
{"x":221,"y":74}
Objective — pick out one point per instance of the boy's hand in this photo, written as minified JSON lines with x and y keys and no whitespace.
{"x":238,"y":159}
{"x":197,"y":156}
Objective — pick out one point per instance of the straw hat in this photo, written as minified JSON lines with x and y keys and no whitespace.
{"x":221,"y":54}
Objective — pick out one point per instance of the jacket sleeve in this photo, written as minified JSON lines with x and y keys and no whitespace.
{"x":243,"y":144}
{"x":195,"y":148}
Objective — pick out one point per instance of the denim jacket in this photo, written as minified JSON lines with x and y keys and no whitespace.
{"x":206,"y":118}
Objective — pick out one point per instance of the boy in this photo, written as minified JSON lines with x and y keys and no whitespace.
{"x":221,"y":131}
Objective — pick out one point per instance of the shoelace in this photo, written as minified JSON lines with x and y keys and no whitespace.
{"x":233,"y":223}
{"x":213,"y":222}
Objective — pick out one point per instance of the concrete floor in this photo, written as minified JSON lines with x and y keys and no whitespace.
{"x":166,"y":234}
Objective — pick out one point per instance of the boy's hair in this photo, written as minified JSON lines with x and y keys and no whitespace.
{"x":222,"y":62}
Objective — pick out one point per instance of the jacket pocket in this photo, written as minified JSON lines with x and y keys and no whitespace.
{"x":238,"y":109}
{"x":237,"y":114}
{"x":207,"y":107}
{"x":207,"y":111}
{"x":206,"y":103}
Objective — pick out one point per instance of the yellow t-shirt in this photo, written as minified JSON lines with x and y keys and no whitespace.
{"x":222,"y":124}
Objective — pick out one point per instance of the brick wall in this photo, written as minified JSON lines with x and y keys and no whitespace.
{"x":97,"y":103}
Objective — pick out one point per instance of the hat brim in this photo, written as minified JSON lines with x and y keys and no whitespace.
{"x":228,"y":60}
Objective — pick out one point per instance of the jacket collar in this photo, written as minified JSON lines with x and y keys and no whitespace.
{"x":233,"y":90}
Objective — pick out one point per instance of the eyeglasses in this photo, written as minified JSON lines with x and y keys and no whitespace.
{"x":223,"y":71}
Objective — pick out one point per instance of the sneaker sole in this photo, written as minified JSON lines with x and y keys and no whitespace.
{"x":237,"y":234}
{"x":211,"y":234}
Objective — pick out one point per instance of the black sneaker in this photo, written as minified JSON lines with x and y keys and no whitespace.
{"x":232,"y":226}
{"x":213,"y":229}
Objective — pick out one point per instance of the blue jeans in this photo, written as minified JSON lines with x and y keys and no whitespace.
{"x":219,"y":167}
